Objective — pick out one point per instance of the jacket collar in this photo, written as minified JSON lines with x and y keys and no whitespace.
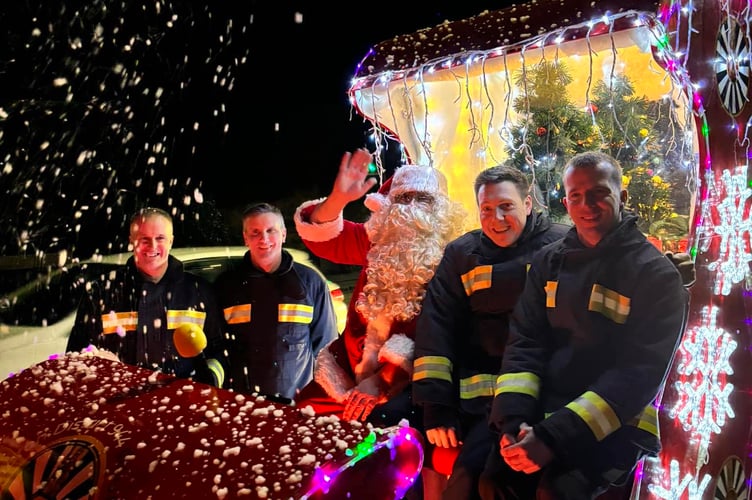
{"x":623,"y":233}
{"x":284,"y":266}
{"x":174,"y":271}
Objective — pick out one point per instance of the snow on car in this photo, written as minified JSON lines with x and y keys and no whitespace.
{"x":82,"y":426}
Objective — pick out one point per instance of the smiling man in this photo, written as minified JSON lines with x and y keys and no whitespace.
{"x":278,"y":313}
{"x":464,"y":325}
{"x":135,"y":313}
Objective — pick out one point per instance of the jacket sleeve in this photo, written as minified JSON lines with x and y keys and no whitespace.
{"x":445,"y":313}
{"x":215,"y":352}
{"x":88,"y":323}
{"x":324,"y":324}
{"x":329,"y":372}
{"x":656,"y":320}
{"x":340,"y":241}
{"x":523,"y":364}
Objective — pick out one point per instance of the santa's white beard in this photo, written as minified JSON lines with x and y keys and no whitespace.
{"x":406,"y":247}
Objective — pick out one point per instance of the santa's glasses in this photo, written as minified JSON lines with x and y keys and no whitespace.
{"x":409,"y":196}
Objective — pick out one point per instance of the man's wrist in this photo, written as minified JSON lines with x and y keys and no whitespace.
{"x":328,"y":210}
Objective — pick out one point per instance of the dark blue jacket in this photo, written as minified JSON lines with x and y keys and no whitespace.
{"x":276,"y":323}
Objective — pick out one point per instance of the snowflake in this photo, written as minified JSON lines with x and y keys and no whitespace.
{"x":733,"y":257}
{"x":678,"y":487}
{"x":703,"y":402}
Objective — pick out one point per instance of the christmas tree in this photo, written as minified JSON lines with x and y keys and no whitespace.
{"x":550,"y":131}
{"x":632,"y":129}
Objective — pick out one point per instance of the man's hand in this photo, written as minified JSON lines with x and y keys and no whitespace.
{"x":525,"y":452}
{"x":352,"y":183}
{"x":362,"y":399}
{"x":685,"y":265}
{"x":443,"y":437}
{"x":352,"y":180}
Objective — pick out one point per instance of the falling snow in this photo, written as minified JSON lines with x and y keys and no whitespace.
{"x":106,"y":107}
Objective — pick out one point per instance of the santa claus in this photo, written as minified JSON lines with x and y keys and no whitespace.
{"x":365,"y":373}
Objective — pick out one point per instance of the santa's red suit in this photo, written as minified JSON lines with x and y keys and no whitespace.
{"x":381,"y":344}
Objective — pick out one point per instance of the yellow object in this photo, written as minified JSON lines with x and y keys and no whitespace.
{"x":189,"y":339}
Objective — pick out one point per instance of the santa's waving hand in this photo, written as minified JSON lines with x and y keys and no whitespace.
{"x":352,"y":183}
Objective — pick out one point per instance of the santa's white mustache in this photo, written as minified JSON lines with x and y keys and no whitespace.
{"x":418,"y":216}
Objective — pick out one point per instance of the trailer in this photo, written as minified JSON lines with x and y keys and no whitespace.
{"x":664,"y":88}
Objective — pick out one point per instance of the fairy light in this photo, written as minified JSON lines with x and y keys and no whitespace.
{"x":405,"y":451}
{"x":490,"y":105}
{"x":678,"y":487}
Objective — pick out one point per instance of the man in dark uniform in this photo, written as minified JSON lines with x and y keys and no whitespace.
{"x":134,"y":314}
{"x":464,"y":325}
{"x":278,"y":313}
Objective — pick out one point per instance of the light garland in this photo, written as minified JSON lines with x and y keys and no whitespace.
{"x":401,"y":440}
{"x":458,"y":112}
{"x":678,"y":487}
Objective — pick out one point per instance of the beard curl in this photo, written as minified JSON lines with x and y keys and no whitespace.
{"x":407,"y":243}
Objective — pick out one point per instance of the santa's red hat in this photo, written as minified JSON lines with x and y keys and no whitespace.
{"x":408,"y":178}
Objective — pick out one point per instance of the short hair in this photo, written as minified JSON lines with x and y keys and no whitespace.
{"x":590,"y":159}
{"x":262,"y":208}
{"x":503,"y":173}
{"x":146,"y":212}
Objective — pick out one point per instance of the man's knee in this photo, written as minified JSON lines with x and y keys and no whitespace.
{"x":571,"y":484}
{"x":490,"y":479}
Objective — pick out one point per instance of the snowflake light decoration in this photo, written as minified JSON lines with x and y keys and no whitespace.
{"x":678,"y":486}
{"x":728,"y":197}
{"x":703,"y":402}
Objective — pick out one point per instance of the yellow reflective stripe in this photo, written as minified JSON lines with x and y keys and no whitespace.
{"x":596,"y":413}
{"x":609,"y":303}
{"x":437,"y":367}
{"x":237,"y":314}
{"x":476,"y":279}
{"x":216,"y":368}
{"x":550,"y":289}
{"x":123,"y":321}
{"x":477,"y":386}
{"x":295,"y":313}
{"x":647,"y":421}
{"x":522,"y":383}
{"x":176,"y":317}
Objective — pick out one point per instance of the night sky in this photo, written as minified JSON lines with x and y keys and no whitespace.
{"x":193,"y":106}
{"x":302,"y":72}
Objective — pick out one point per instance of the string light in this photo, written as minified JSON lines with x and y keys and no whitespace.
{"x":703,"y":402}
{"x":405,"y":451}
{"x":678,"y":487}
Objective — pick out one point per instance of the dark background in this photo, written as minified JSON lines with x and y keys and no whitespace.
{"x":309,"y":66}
{"x":193,"y":106}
